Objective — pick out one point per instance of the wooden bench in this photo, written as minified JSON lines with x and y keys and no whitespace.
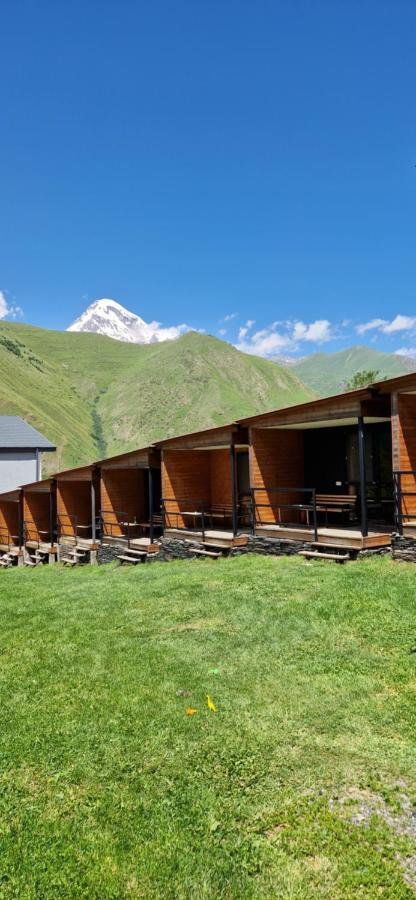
{"x":341,"y":504}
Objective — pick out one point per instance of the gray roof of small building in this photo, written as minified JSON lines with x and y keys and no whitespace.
{"x":16,"y":434}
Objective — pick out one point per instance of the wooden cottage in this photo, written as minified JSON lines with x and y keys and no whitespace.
{"x":402,"y":394}
{"x":205,"y":486}
{"x":11,"y":525}
{"x":77,"y":505}
{"x":321,"y":472}
{"x":39,"y":515}
{"x":130,"y":489}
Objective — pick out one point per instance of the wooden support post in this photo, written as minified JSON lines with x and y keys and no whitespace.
{"x":51,"y":517}
{"x":151,"y":511}
{"x":93,"y":511}
{"x":20,"y":520}
{"x":234,"y":489}
{"x":363,"y":480}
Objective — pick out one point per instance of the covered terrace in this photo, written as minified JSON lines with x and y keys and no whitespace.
{"x":11,"y":523}
{"x":206,"y":487}
{"x":322,"y":471}
{"x":77,"y":505}
{"x":39,"y":514}
{"x":130,"y":489}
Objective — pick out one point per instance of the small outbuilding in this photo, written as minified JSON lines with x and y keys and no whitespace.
{"x":21,"y":447}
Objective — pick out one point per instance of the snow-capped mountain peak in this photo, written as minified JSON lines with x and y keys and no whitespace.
{"x":112,"y":319}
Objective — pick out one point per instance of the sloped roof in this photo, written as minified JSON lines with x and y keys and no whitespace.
{"x":16,"y":434}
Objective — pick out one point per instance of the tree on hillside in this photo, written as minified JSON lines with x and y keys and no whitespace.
{"x":363,"y":378}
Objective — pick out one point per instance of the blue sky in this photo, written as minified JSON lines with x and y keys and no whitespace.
{"x":214,"y":164}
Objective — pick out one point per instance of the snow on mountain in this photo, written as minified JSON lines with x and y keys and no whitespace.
{"x":112,"y":319}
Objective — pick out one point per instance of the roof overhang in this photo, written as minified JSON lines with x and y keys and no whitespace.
{"x":11,"y":496}
{"x":211,"y":439}
{"x":329,"y":423}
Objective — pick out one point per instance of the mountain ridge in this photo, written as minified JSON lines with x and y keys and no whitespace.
{"x":95,"y":396}
{"x":329,"y":373}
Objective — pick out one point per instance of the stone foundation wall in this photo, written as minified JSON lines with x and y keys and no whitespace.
{"x":107,"y":553}
{"x":275,"y":546}
{"x":403,"y":548}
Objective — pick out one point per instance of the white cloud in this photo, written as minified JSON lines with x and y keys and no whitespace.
{"x":269,"y":341}
{"x":5,"y":310}
{"x":406,"y":351}
{"x":243,"y":331}
{"x":318,"y":332}
{"x":370,"y":326}
{"x":168,"y":334}
{"x":222,"y":331}
{"x":229,"y":317}
{"x":399,"y":323}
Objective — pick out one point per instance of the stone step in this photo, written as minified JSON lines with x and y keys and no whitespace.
{"x":131,"y":552}
{"x":133,"y":560}
{"x":212,"y":554}
{"x":68,"y":561}
{"x":315,"y":554}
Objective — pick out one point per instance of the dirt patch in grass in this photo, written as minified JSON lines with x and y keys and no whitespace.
{"x":359,"y":806}
{"x":202,"y":625}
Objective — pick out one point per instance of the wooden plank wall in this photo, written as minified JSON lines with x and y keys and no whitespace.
{"x":123,"y":497}
{"x":36,"y":513}
{"x":9,"y":522}
{"x":185,"y":474}
{"x":276,"y":460}
{"x":404,"y":445}
{"x":74,"y":498}
{"x":220,"y":477}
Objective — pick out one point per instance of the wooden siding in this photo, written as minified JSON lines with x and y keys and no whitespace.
{"x":123,"y":497}
{"x":213,"y":437}
{"x":9,"y":522}
{"x":185,"y":479}
{"x":404,"y":445}
{"x":36,"y":514}
{"x":276,"y":460}
{"x":73,"y":499}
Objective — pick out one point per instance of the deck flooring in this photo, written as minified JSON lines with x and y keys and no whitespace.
{"x":335,"y":537}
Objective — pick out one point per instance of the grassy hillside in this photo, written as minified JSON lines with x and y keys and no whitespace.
{"x":94,"y":396}
{"x":301,"y":785}
{"x":328,"y":373}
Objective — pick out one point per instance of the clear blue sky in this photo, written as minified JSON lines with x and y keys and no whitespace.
{"x":195,"y":160}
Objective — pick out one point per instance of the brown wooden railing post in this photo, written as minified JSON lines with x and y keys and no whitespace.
{"x":203,"y":521}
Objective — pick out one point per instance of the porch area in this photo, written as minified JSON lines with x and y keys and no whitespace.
{"x":324,"y":479}
{"x":130,"y":491}
{"x":206,"y":488}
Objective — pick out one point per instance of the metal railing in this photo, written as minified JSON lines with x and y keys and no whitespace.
{"x":400,"y":494}
{"x":8,"y":539}
{"x":202,"y":514}
{"x":306,"y":508}
{"x":114,"y":521}
{"x":42,"y":536}
{"x":67,"y":525}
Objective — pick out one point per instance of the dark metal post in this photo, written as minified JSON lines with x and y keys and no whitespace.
{"x":203,"y":522}
{"x":150,"y":483}
{"x":93,"y":511}
{"x":315,"y":517}
{"x":363,"y":480}
{"x":398,"y":515}
{"x":234,"y":489}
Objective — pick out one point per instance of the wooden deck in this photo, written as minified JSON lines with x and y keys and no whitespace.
{"x":142,"y":543}
{"x":216,"y":538}
{"x":348,"y":538}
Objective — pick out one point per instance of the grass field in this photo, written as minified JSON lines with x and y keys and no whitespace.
{"x":302,"y":784}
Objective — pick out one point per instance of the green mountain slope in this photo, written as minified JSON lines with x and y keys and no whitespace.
{"x":94,"y":396}
{"x":328,"y":373}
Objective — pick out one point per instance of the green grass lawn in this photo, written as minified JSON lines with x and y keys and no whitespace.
{"x":301,"y":785}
